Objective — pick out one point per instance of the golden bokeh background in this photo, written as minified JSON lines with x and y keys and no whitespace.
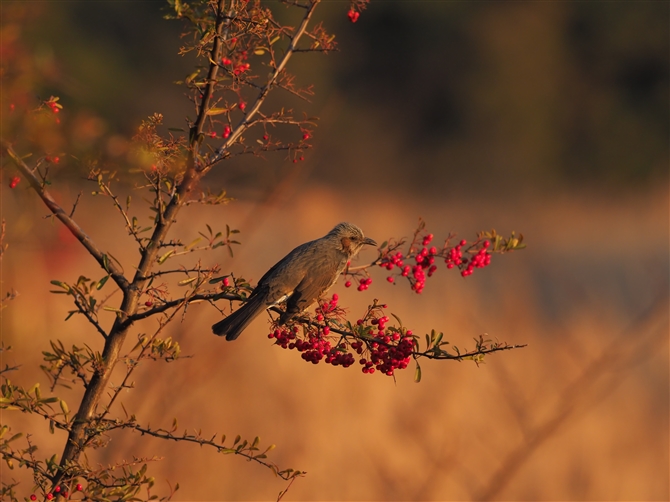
{"x":549,"y":119}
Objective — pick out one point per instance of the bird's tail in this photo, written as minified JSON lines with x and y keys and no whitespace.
{"x":233,"y":325}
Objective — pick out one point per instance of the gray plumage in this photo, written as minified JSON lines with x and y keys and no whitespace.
{"x":302,"y":276}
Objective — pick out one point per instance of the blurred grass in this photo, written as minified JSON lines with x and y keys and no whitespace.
{"x":544,"y":118}
{"x":581,"y":413}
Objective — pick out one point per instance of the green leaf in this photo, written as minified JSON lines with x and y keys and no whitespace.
{"x":417,"y":373}
{"x":61,"y":284}
{"x":65,"y":408}
{"x":112,"y":309}
{"x":193,"y":243}
{"x":101,"y":282}
{"x":187,"y":281}
{"x":162,"y":259}
{"x":15,"y":436}
{"x":216,"y":111}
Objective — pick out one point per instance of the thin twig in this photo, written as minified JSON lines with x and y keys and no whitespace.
{"x":74,"y":206}
{"x":129,"y":225}
{"x":91,"y":319}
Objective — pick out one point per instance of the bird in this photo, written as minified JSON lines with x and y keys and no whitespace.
{"x":299,"y":278}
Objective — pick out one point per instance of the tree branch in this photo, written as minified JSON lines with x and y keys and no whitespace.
{"x":246,"y":122}
{"x":132,"y":292}
{"x":75,"y":229}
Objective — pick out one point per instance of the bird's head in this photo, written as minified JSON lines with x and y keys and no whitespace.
{"x":350,"y":238}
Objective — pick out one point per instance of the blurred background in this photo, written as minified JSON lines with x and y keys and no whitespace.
{"x":546,"y":118}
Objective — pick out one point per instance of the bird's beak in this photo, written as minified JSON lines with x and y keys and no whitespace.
{"x":369,"y":241}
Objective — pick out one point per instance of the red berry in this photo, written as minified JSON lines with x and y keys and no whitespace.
{"x":242,"y":105}
{"x":226,"y":282}
{"x":226,"y":61}
{"x":390,"y":278}
{"x":226,"y":131}
{"x":347,"y":284}
{"x":33,"y":497}
{"x":265,"y":137}
{"x":353,"y":15}
{"x":305,"y":136}
{"x":14,"y":181}
{"x":79,"y":487}
{"x":148,"y":303}
{"x":49,"y":496}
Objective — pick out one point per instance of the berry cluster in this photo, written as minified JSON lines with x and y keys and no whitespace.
{"x":53,"y":104}
{"x":329,"y":307}
{"x":377,"y":347}
{"x":386,"y":357}
{"x":425,"y":257}
{"x":353,"y":15}
{"x":315,"y":347}
{"x":364,"y":283}
{"x":479,"y":260}
{"x":59,"y":491}
{"x":238,"y":65}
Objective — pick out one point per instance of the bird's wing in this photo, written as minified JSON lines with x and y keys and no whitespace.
{"x":310,"y":288}
{"x":284,"y":275}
